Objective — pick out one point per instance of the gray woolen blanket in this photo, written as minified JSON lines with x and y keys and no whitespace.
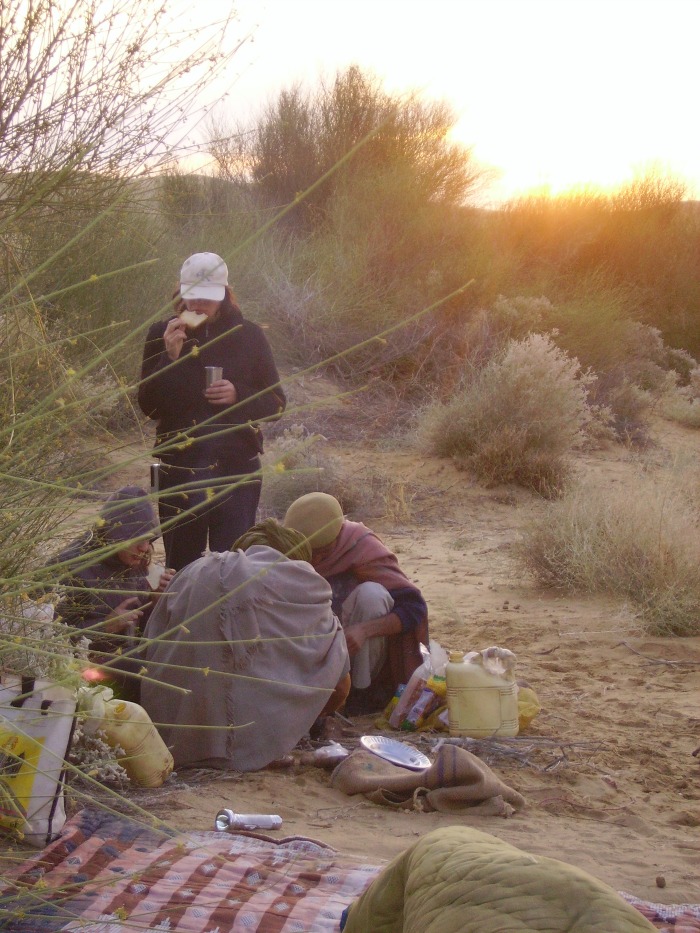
{"x":252,"y":638}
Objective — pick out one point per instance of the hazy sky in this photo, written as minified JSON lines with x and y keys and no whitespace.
{"x":556,"y":92}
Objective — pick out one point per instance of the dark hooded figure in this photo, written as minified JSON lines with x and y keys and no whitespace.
{"x":103,"y":573}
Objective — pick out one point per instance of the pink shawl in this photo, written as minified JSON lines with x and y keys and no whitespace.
{"x":359,"y":551}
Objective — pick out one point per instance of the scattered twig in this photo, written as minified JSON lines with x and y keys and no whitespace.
{"x":333,"y":813}
{"x":521,"y":749}
{"x":193,"y":776}
{"x":581,"y":806}
{"x":553,"y":765}
{"x":658,"y":660}
{"x":348,"y":722}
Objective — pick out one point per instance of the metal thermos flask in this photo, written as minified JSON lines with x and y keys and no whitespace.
{"x":155,"y":476}
{"x":227,"y":819}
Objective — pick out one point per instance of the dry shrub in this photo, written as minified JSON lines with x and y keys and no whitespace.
{"x":517,"y":419}
{"x":640,"y":544}
{"x":295,"y":464}
{"x":628,"y":406}
{"x":634,"y":365}
{"x":387,"y":497}
{"x":520,"y":315}
{"x":113,"y":406}
{"x":474,"y":338}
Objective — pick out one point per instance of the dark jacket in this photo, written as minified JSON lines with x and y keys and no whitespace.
{"x":172,"y":392}
{"x":94,"y":589}
{"x":94,"y":579}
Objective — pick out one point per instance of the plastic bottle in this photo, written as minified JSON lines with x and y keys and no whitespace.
{"x":413,"y":689}
{"x":147,"y":760}
{"x":482,"y":698}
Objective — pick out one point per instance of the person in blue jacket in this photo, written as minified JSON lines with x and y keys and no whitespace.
{"x":103,"y":577}
{"x":208,"y":438}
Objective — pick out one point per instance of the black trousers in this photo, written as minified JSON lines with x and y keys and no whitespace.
{"x":206,"y":499}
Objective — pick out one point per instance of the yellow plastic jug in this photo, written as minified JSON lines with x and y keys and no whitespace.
{"x":482,"y":695}
{"x":147,"y":760}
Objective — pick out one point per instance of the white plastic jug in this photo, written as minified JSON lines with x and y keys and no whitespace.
{"x":482,"y":695}
{"x":147,"y":760}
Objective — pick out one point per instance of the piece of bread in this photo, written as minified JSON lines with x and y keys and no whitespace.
{"x":192,"y":319}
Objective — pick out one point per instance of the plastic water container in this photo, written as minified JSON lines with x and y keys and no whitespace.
{"x":482,"y":695}
{"x":147,"y":760}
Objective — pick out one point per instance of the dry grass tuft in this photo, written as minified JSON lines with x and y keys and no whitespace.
{"x":682,"y":404}
{"x":642,"y":545}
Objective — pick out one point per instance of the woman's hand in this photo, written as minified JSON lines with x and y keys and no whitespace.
{"x":174,"y":337}
{"x":221,"y":392}
{"x":165,"y":578}
{"x":124,"y":617}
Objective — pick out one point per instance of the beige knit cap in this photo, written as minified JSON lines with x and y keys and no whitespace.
{"x":317,"y":516}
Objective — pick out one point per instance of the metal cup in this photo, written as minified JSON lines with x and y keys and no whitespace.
{"x":212,"y":374}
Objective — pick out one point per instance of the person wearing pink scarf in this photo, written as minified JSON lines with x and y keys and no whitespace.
{"x":383,"y":614}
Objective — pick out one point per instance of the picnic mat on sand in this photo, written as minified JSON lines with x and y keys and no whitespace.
{"x":107,"y":873}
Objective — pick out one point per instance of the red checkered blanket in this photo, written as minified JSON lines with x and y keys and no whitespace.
{"x":107,"y":873}
{"x":669,"y":918}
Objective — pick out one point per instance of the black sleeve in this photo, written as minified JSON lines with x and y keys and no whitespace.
{"x":165,"y":385}
{"x":261,"y":394}
{"x":410,"y":607}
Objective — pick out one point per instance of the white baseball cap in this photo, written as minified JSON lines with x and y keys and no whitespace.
{"x":204,"y":275}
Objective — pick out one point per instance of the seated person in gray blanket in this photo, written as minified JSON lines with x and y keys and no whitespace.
{"x":243,"y":653}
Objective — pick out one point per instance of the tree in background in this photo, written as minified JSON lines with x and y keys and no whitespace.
{"x":374,"y":193}
{"x":93,"y":93}
{"x":350,"y":128}
{"x":641,"y":240}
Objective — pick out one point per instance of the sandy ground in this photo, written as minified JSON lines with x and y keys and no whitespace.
{"x":606,"y":769}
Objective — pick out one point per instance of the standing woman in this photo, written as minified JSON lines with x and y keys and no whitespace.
{"x":207,"y":438}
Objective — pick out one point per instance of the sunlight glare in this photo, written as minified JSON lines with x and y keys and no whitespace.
{"x":549,"y":93}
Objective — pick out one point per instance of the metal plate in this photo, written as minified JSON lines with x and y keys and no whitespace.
{"x":398,"y":753}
